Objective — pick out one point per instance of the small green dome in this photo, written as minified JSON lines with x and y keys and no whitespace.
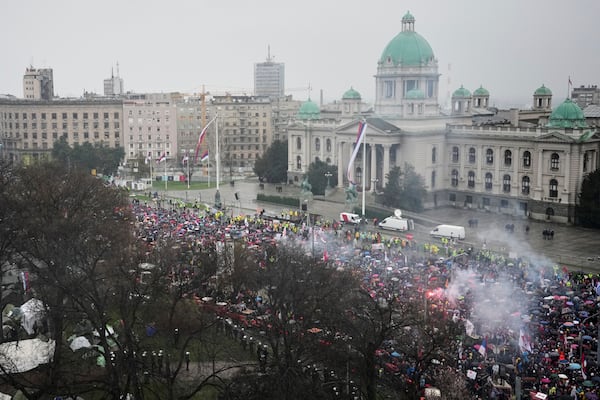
{"x":461,"y":92}
{"x":480,"y":91}
{"x":408,"y":48}
{"x":415,"y":94}
{"x":543,"y":91}
{"x":351,"y":94}
{"x":567,"y":115}
{"x":309,"y":110}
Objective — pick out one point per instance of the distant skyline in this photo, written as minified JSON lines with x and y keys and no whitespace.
{"x":511,"y":47}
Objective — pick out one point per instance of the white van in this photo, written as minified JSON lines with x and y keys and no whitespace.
{"x":397,"y":224}
{"x":349,"y":218}
{"x":449,"y":231}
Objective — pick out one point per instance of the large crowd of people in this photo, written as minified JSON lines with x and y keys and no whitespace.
{"x":530,"y":326}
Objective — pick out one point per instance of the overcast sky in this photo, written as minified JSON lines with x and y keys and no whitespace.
{"x":511,"y":47}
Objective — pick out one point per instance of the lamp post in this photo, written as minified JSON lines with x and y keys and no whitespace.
{"x":328,"y":175}
{"x":373,"y":185}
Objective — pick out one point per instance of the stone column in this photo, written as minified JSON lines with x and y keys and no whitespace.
{"x":340,"y":163}
{"x":373,"y":169}
{"x":567,"y":167}
{"x":386,"y":161}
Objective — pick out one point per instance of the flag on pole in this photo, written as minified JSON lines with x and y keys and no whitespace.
{"x":482,"y":348}
{"x":570,"y":83}
{"x":204,"y":156}
{"x":362,"y":129}
{"x":524,"y":342}
{"x":161,"y":158}
{"x":201,"y":138}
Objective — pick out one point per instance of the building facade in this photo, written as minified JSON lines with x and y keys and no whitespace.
{"x":269,"y":79}
{"x":28,"y":129}
{"x":38,"y":84}
{"x":150,"y":126}
{"x":529,"y":164}
{"x":245,"y":126}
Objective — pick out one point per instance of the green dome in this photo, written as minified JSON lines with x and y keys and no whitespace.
{"x":408,"y":48}
{"x":480,"y":91}
{"x":351,"y":94}
{"x":543,"y":91}
{"x":461,"y":92}
{"x":567,"y":115}
{"x":309,"y":110}
{"x":415,"y":94}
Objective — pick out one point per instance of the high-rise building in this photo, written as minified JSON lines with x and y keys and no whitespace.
{"x":113,"y":86}
{"x":38,"y":84}
{"x":269,"y":78}
{"x":586,"y":95}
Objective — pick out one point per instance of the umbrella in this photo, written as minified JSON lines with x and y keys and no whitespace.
{"x":395,"y":354}
{"x":596,"y":378}
{"x":588,"y":383}
{"x":574,"y":366}
{"x":545,"y":380}
{"x":563,"y":376}
{"x":586,"y":337}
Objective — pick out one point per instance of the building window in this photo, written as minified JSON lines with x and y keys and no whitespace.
{"x":298,"y":143}
{"x":454,"y":178}
{"x":298,"y":162}
{"x":317,"y":144}
{"x":472,"y":155}
{"x":471,"y":179}
{"x":389,"y":89}
{"x":526,"y":159}
{"x":432,"y":179}
{"x":455,"y":154}
{"x":485,"y":201}
{"x":507,"y":158}
{"x":488,"y":181}
{"x":489,"y":156}
{"x":553,"y":188}
{"x":433,"y":155}
{"x":586,"y":159}
{"x":506,"y":184}
{"x":328,"y":145}
{"x":504,"y":203}
{"x":525,"y":185}
{"x":359,"y":175}
{"x":554,"y":161}
{"x":452,"y":197}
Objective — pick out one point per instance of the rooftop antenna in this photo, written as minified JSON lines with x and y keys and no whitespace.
{"x":269,"y":58}
{"x":112,"y":72}
{"x":117,"y":69}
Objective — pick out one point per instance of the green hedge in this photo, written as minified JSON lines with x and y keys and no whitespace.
{"x":287,"y":201}
{"x":371,"y":213}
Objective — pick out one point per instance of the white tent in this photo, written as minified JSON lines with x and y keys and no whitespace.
{"x":25,"y":355}
{"x":80,"y":342}
{"x":33,"y":310}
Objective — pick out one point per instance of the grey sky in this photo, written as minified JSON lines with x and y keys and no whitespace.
{"x":511,"y":47}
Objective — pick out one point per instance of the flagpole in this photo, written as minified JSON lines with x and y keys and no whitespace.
{"x":165,"y":160}
{"x":208,"y":168}
{"x":188,"y":167}
{"x":217,"y":158}
{"x":364,"y":174}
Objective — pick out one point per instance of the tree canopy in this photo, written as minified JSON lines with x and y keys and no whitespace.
{"x":405,"y":189}
{"x":317,"y":176}
{"x":105,"y":160}
{"x":272,"y":165}
{"x":588,"y":209}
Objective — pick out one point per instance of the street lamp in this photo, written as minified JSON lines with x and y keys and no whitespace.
{"x":373,"y":183}
{"x":328,"y":175}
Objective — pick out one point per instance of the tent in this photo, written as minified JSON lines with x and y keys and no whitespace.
{"x":33,"y":311}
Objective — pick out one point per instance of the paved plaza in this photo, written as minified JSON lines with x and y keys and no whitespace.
{"x":571,"y":246}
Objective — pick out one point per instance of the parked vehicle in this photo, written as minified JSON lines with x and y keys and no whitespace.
{"x":349,"y":218}
{"x":397,"y":224}
{"x":449,"y":231}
